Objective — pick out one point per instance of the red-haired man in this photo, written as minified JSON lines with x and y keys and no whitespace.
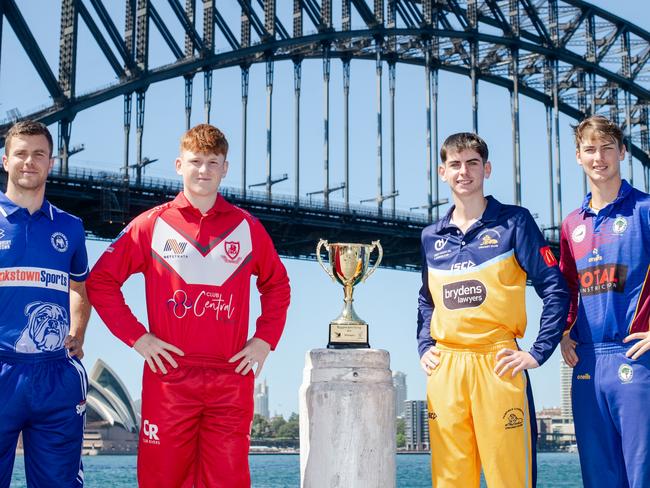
{"x":197,"y":254}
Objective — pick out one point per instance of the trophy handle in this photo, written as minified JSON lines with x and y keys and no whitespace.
{"x":380,"y":250}
{"x":322,"y":243}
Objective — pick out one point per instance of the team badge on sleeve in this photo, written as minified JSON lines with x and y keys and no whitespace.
{"x":548,"y":256}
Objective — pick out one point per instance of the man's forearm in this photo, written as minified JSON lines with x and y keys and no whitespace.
{"x":79,"y":310}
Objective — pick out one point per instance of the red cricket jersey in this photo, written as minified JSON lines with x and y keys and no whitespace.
{"x":197,"y":271}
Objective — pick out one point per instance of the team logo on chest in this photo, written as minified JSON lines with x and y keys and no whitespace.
{"x":579,"y":233}
{"x":232,"y":250}
{"x":620,"y":225}
{"x":59,"y":241}
{"x":489,"y":239}
{"x":625,"y":373}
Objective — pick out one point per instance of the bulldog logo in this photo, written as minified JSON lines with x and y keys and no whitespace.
{"x":47,"y":328}
{"x":232,"y":249}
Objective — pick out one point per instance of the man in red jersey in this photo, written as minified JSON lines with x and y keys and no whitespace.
{"x":197,"y":254}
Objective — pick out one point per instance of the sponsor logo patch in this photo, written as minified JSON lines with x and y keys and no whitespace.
{"x":81,"y":407}
{"x":432,"y":415}
{"x":464,"y":294}
{"x":463,"y":265}
{"x":585,"y":376}
{"x":579,"y":233}
{"x":439,"y":244}
{"x":625,"y":373}
{"x":513,"y":418}
{"x":151,"y":433}
{"x":59,"y":241}
{"x":596,"y":257}
{"x":548,"y":256}
{"x":620,"y":225}
{"x":603,"y":278}
{"x":34,"y":277}
{"x":5,"y":245}
{"x":174,"y":246}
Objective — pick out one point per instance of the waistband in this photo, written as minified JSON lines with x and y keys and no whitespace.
{"x":209,"y":362}
{"x":38,"y":357}
{"x":604,"y":347}
{"x":477,"y":348}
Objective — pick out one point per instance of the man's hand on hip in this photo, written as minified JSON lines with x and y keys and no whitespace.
{"x":154,"y":350}
{"x":515,"y":360}
{"x":640,"y":347}
{"x":254,"y":352}
{"x":568,"y":348}
{"x":430,"y":360}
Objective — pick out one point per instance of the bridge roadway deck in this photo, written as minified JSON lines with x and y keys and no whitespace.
{"x":106,"y":202}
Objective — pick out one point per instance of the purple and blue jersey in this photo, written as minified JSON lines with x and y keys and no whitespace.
{"x":39,"y":255}
{"x":605,"y":257}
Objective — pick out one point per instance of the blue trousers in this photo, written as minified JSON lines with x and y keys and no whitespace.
{"x":610,"y":397}
{"x":44,"y":396}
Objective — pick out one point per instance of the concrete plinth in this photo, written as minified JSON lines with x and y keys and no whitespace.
{"x":347,"y":420}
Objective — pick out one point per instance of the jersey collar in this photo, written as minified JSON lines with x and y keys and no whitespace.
{"x":623,"y":192}
{"x":220,"y":205}
{"x":490,"y":213}
{"x":8,"y":207}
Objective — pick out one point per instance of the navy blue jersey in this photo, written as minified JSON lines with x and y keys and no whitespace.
{"x":39,"y":254}
{"x":473,"y":284}
{"x":605,"y":259}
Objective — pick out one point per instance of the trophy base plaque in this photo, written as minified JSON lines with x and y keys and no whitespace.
{"x":348,"y":336}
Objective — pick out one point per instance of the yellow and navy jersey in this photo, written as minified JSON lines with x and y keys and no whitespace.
{"x":473,"y":284}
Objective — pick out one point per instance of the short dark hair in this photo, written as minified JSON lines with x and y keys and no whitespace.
{"x":28,"y":128}
{"x":464,"y":140}
{"x":600,"y":126}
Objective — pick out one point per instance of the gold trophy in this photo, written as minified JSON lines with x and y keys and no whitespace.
{"x":349,"y":265}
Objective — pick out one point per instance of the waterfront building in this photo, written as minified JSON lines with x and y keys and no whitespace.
{"x":262,"y":399}
{"x":399,"y":382}
{"x":417,"y":425}
{"x":565,"y":389}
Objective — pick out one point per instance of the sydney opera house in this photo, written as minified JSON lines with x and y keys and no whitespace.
{"x":112,"y":418}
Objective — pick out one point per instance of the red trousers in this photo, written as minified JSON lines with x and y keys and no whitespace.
{"x":195,"y":430}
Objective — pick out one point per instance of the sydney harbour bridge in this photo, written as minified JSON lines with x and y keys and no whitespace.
{"x":568,"y":55}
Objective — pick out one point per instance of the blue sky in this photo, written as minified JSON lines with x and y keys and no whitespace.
{"x":388,"y":300}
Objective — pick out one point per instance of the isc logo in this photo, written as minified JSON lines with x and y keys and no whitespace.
{"x":462,"y":265}
{"x":151,"y":431}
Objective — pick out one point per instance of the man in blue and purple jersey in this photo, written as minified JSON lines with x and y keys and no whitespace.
{"x":43,"y":318}
{"x":605,"y":257}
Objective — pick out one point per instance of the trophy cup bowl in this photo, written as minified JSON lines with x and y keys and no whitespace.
{"x":349,"y":264}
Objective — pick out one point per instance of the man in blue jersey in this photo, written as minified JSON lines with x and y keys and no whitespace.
{"x":605,"y":257}
{"x":43,"y":318}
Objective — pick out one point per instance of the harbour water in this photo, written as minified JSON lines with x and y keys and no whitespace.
{"x":556,"y":470}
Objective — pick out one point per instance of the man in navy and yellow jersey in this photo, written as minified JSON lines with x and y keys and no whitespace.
{"x":471,"y":308}
{"x":606,"y":258}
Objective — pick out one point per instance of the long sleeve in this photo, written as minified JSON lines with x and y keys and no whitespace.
{"x":541,"y":267}
{"x":570,"y":271}
{"x":121,"y":259}
{"x":273,"y":285}
{"x":425,"y":310}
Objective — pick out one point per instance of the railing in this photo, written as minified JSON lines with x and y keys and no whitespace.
{"x":116,"y":179}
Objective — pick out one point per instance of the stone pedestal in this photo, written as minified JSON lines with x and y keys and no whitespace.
{"x":347,"y":420}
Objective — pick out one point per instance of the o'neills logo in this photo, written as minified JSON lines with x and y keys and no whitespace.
{"x":602,"y":279}
{"x":463,"y":294}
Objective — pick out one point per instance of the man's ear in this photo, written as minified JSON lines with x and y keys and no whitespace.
{"x":488,"y":169}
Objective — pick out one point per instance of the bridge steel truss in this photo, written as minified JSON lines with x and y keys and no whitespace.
{"x":573,"y":57}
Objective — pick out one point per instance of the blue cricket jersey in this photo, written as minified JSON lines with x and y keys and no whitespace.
{"x":39,"y":254}
{"x":605,"y":257}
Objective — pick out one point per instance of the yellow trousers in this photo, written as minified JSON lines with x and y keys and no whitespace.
{"x":479,"y":419}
